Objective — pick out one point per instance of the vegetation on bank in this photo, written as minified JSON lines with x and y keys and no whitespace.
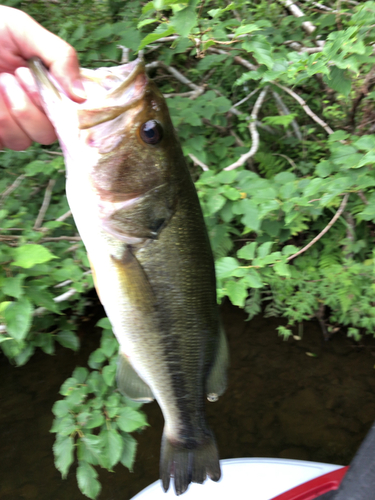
{"x":273,"y":104}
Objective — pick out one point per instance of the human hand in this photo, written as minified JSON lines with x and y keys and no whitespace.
{"x":22,"y":119}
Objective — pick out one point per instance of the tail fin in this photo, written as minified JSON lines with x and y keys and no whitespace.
{"x":188,"y":465}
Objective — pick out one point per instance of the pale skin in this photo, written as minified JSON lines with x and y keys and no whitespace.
{"x":22,"y":119}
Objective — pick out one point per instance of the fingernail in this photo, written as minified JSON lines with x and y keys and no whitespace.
{"x":78,"y":89}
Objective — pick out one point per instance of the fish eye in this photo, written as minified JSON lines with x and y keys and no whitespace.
{"x":151,"y":132}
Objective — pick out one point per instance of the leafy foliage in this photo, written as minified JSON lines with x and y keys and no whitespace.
{"x":241,"y":77}
{"x":95,"y":420}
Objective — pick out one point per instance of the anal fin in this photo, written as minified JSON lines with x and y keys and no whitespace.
{"x":130,"y":383}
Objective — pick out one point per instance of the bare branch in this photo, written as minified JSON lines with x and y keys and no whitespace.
{"x":245,"y":98}
{"x":179,"y":76}
{"x":41,"y":310}
{"x":306,"y":108}
{"x":253,"y":131}
{"x":285,"y":111}
{"x":64,"y":216}
{"x":301,"y":49}
{"x":198,"y":162}
{"x":237,"y":59}
{"x":323,"y":232}
{"x":45,"y":204}
{"x":297,"y":12}
{"x":363,"y":197}
{"x":12,"y":187}
{"x":287,"y":159}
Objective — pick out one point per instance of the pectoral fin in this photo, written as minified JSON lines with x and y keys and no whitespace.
{"x":130,"y":383}
{"x":217,"y":378}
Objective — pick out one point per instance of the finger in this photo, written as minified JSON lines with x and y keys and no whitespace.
{"x":27,"y":81}
{"x":31,"y":40}
{"x":26,"y":116}
{"x":11,"y":135}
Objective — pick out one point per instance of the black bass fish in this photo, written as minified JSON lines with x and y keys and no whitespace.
{"x":138,"y":214}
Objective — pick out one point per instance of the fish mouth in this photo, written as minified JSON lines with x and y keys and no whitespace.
{"x":114,"y":97}
{"x":110,"y":91}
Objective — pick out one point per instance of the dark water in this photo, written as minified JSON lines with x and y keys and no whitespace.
{"x":281,"y":402}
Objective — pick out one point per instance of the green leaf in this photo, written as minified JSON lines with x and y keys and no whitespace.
{"x":61,"y":408}
{"x":68,"y":386}
{"x":130,"y":420}
{"x":14,"y":286}
{"x":23,"y":357}
{"x":113,"y":446}
{"x":247,"y":251}
{"x":129,"y":451}
{"x":109,"y":374}
{"x":104,"y":323}
{"x":237,"y":292}
{"x":96,"y":359}
{"x":18,"y":317}
{"x":87,"y":482}
{"x":252,"y":279}
{"x":185,"y":20}
{"x":68,"y":339}
{"x":29,"y":255}
{"x":153,"y":37}
{"x":96,"y":420}
{"x":80,"y":374}
{"x":265,"y":249}
{"x":282,"y":269}
{"x":63,"y":451}
{"x":109,"y":346}
{"x":337,"y":81}
{"x":246,"y":28}
{"x":225,"y":267}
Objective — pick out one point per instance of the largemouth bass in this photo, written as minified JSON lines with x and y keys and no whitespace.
{"x":138,"y":214}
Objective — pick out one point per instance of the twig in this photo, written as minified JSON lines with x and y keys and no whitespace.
{"x":41,"y":310}
{"x":253,"y":131}
{"x":285,"y":111}
{"x":321,"y":6}
{"x":67,"y":282}
{"x":64,"y":216}
{"x":57,"y":153}
{"x":179,"y":76}
{"x":191,"y":93}
{"x":198,"y":162}
{"x":323,"y":232}
{"x":363,"y":197}
{"x":12,"y":237}
{"x":306,"y":108}
{"x":245,"y":98}
{"x":45,"y":204}
{"x":301,"y":49}
{"x":287,"y":159}
{"x":61,"y":238}
{"x":12,"y":187}
{"x":237,"y":59}
{"x":297,"y":12}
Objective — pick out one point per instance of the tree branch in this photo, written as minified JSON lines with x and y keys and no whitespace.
{"x":45,"y":204}
{"x":306,"y":108}
{"x":179,"y":76}
{"x":253,"y":131}
{"x":11,"y":188}
{"x":285,"y":111}
{"x":323,"y":232}
{"x":198,"y":162}
{"x":297,"y":12}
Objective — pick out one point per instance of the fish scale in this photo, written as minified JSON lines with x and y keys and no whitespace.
{"x":138,"y":214}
